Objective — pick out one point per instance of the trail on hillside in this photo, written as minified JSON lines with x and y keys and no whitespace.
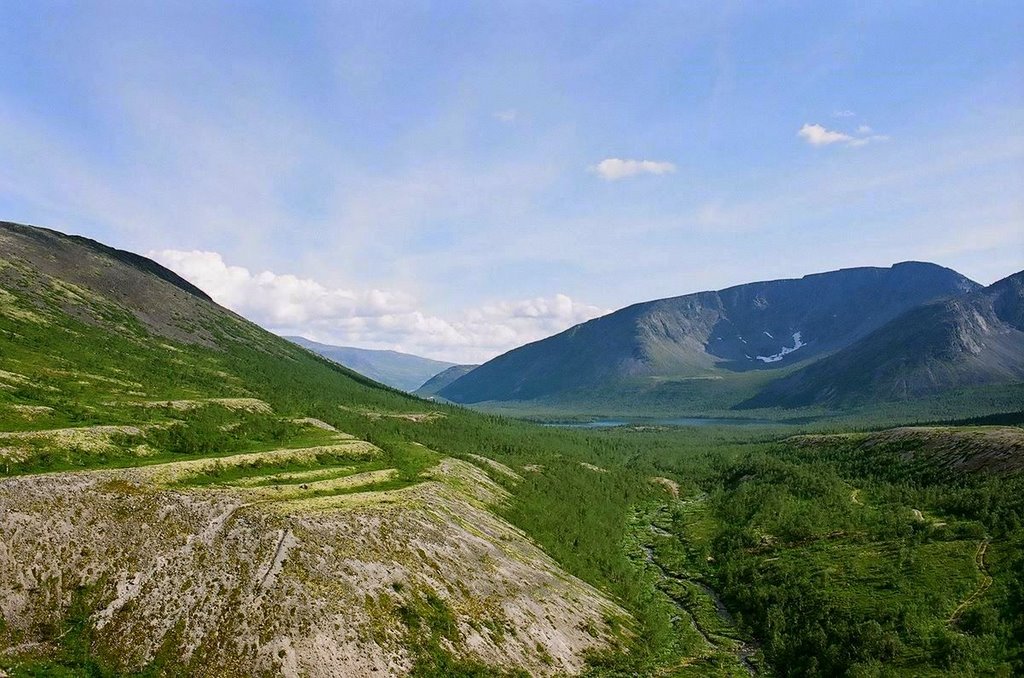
{"x":986,"y":582}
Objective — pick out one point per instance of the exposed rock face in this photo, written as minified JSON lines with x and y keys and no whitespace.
{"x":973,"y":340}
{"x":236,"y":584}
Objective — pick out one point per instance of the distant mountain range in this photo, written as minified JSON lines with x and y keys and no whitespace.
{"x":403,"y":371}
{"x":439,"y":381}
{"x":816,"y":340}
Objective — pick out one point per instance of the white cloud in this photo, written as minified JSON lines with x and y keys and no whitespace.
{"x":507,"y":116}
{"x":612,"y":169}
{"x":818,"y":135}
{"x":869,"y":139}
{"x":843,"y":114}
{"x":288,"y":304}
{"x":277,"y":299}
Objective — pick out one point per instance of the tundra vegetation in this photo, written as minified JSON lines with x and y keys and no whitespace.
{"x":262,"y":469}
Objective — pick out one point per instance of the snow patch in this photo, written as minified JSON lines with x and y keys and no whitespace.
{"x":786,"y":350}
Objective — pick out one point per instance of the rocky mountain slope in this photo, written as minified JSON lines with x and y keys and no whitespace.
{"x":403,"y":371}
{"x":182,"y":492}
{"x":973,"y":340}
{"x":710,"y":337}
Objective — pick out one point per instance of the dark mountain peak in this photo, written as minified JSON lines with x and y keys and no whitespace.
{"x":755,"y":326}
{"x":1008,"y":300}
{"x":61,"y":245}
{"x":975,"y":339}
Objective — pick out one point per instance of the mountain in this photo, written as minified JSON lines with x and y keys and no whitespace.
{"x":708,"y":341}
{"x":185,"y":493}
{"x":973,"y":340}
{"x":442,"y":379}
{"x":403,"y":371}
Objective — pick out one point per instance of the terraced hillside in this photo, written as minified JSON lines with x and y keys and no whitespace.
{"x":184,"y":491}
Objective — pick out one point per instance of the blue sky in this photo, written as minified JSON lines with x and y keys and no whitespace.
{"x":457,"y":178}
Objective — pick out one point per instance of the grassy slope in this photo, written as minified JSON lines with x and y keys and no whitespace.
{"x":804,"y":569}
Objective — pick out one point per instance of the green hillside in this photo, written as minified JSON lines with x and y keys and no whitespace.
{"x":184,"y":493}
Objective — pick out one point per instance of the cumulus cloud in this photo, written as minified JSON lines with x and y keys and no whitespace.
{"x":818,"y":135}
{"x":612,"y":169}
{"x":277,"y":299}
{"x":288,"y":304}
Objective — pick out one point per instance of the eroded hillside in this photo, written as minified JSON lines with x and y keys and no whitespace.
{"x":318,"y":561}
{"x":182,"y":491}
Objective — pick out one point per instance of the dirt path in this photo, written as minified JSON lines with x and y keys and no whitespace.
{"x":986,"y":582}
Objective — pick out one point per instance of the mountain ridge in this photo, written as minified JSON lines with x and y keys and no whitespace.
{"x":55,"y":239}
{"x":430,"y":388}
{"x":976,"y":339}
{"x":753,"y":327}
{"x":404,"y":371}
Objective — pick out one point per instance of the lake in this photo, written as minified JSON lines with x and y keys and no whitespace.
{"x":681,"y":421}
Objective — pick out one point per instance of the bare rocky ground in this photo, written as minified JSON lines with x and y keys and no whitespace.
{"x":317,"y":560}
{"x":245,"y":579}
{"x":988,"y":449}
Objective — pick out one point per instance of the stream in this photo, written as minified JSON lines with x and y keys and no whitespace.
{"x":742,"y":649}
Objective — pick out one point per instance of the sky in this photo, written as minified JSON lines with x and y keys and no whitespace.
{"x":455,"y":179}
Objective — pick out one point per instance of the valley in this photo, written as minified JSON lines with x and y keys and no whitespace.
{"x":185,"y":493}
{"x":398,"y":370}
{"x":468,"y":339}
